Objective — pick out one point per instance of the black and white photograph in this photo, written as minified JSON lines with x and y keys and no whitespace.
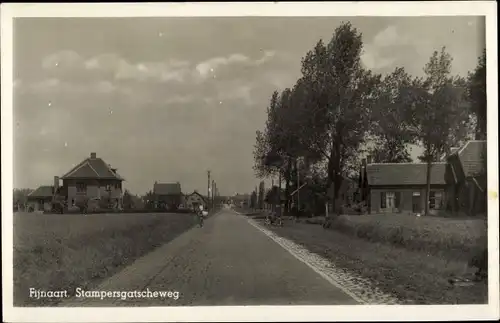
{"x":166,"y":162}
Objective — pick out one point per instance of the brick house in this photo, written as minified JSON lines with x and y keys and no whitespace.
{"x":401,"y":187}
{"x":93,"y":181}
{"x":458,"y":183}
{"x":167,"y":195}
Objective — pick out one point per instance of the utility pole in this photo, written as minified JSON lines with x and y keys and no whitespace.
{"x":208,"y":191}
{"x":213,"y":193}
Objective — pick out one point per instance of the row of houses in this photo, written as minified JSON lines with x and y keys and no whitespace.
{"x":457,"y":184}
{"x":170,"y":196}
{"x":97,"y":185}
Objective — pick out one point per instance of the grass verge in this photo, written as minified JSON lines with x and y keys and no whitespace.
{"x":414,"y":277}
{"x":459,"y":239}
{"x":62,"y":252}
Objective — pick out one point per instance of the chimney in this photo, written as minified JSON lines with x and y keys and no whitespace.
{"x":369,"y":159}
{"x":93,"y":155}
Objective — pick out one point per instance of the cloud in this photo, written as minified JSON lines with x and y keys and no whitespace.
{"x":62,"y":59}
{"x":211,"y":66}
{"x":268,"y":55}
{"x":206,"y":67}
{"x":378,"y":53}
{"x":52,"y":85}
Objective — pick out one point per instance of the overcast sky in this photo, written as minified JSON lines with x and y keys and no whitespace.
{"x":165,"y":99}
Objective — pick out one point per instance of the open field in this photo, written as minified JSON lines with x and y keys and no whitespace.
{"x":62,"y":252}
{"x":406,"y":261}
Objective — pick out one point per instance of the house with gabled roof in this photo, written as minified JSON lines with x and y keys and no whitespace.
{"x":401,"y":187}
{"x":41,"y":198}
{"x":194,"y":200}
{"x":93,"y":181}
{"x":457,"y":183}
{"x":167,"y":195}
{"x":467,"y":178}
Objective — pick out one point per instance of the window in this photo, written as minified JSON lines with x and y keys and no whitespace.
{"x":391,"y":200}
{"x":108,"y":188}
{"x":81,"y":187}
{"x":435,"y":200}
{"x":117,"y":186}
{"x":432,"y":201}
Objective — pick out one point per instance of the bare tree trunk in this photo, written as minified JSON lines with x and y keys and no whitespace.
{"x":428,"y":186}
{"x":287,"y":185}
{"x":279,"y":194}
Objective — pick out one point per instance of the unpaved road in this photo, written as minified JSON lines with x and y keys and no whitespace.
{"x":226,"y":262}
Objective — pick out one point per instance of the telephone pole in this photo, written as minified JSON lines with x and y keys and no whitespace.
{"x":213,"y":193}
{"x":208,"y":190}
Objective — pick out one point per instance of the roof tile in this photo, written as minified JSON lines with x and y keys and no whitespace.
{"x":167,"y":188}
{"x":405,"y":174}
{"x":42,"y":191}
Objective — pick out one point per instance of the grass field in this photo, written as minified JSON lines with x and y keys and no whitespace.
{"x":459,"y":239}
{"x":409,"y":257}
{"x":62,"y":252}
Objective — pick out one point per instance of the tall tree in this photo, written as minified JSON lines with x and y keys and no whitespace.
{"x":266,"y":141}
{"x":340,"y":93}
{"x":261,"y":194}
{"x":436,"y":111}
{"x":253,"y":200}
{"x":390,"y":127}
{"x":477,"y":96}
{"x":127,"y":200}
{"x":20,"y":196}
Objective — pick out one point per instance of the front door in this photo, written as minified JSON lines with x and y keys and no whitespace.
{"x":390,"y":200}
{"x":416,"y":202}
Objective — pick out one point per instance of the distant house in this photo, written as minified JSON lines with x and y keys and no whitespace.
{"x":94,"y":182}
{"x":194,"y":200}
{"x":40,"y":199}
{"x":167,"y":195}
{"x":466,"y":178}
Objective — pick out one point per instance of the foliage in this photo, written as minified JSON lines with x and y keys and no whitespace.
{"x":253,"y":200}
{"x":436,"y":110}
{"x":476,"y":93}
{"x":390,"y":127}
{"x":261,"y":195}
{"x":127,"y":200}
{"x":20,"y":196}
{"x":338,"y":110}
{"x":340,"y":95}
